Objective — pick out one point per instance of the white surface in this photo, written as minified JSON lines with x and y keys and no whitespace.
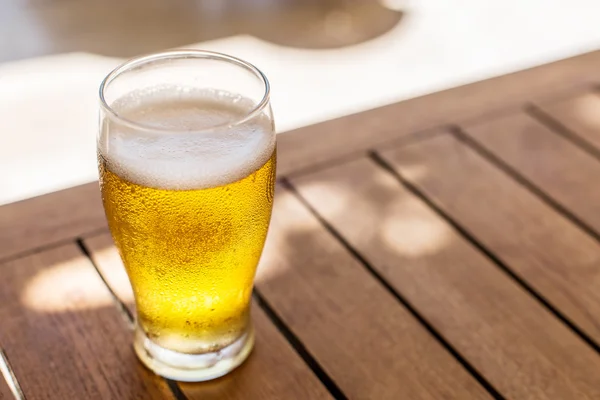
{"x":48,"y":116}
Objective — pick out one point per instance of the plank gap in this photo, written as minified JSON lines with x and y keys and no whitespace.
{"x":175,"y":389}
{"x":407,"y":305}
{"x":561,"y":129}
{"x":293,"y":340}
{"x":522,"y":105}
{"x":461,"y":136}
{"x":123,"y":310}
{"x":10,"y":377}
{"x":49,"y":246}
{"x":564,"y":94}
{"x":400,"y":141}
{"x":469,"y":142}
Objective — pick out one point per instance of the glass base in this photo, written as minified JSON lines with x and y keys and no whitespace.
{"x":192,"y":367}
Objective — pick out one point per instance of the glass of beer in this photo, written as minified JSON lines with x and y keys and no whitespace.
{"x":186,"y":154}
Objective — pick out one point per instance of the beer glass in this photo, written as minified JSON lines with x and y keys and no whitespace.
{"x":186,"y":157}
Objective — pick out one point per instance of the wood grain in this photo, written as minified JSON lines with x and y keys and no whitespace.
{"x":273,"y":371}
{"x":542,"y":247}
{"x":63,"y":334}
{"x":356,"y":133}
{"x":5,"y":392}
{"x":506,"y":334}
{"x":551,"y":162}
{"x":50,"y":218}
{"x":579,"y":114}
{"x":358,"y":332}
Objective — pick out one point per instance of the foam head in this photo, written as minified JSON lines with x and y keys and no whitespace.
{"x":189,"y":139}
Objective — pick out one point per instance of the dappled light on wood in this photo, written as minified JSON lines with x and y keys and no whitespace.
{"x":106,"y":257}
{"x":412,"y":236}
{"x":588,"y":111}
{"x":66,"y":286}
{"x":278,"y":244}
{"x":415,"y":171}
{"x":338,"y":192}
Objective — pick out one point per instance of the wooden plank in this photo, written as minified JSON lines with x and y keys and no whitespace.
{"x":553,"y":163}
{"x":356,"y":133}
{"x":63,"y":334}
{"x":50,"y":218}
{"x":273,"y":371}
{"x":579,"y":114}
{"x":5,"y":391}
{"x":543,"y":248}
{"x":356,"y":330}
{"x":506,"y":334}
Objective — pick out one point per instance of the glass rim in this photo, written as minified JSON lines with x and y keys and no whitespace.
{"x":183,"y":54}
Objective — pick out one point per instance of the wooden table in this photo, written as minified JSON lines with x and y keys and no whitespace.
{"x":445,"y":247}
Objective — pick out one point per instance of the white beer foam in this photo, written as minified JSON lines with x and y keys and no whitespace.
{"x":195,"y":147}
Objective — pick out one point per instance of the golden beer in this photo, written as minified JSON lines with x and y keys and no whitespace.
{"x":191,"y":254}
{"x":187,"y":174}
